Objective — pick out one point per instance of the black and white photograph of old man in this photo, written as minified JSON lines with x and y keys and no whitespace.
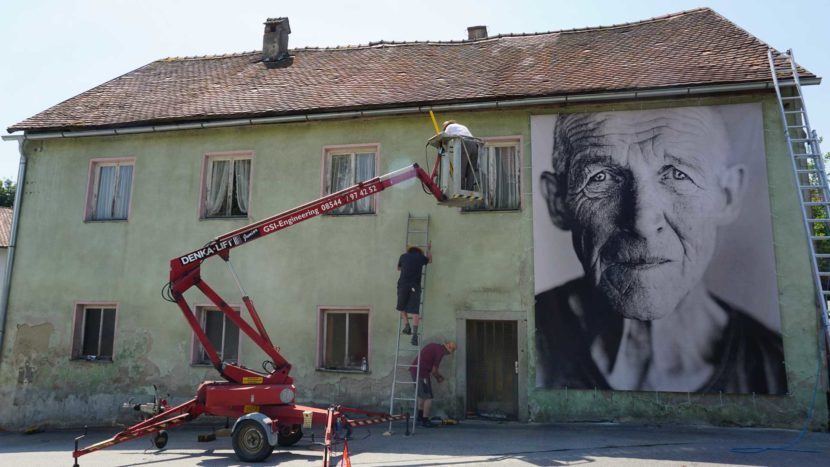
{"x":653,"y":253}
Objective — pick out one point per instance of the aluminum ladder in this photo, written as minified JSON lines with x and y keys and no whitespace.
{"x":808,"y":168}
{"x":405,"y":391}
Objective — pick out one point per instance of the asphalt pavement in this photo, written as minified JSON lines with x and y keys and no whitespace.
{"x":470,"y":442}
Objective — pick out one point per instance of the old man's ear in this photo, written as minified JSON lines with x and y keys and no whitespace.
{"x":732,"y":184}
{"x":554,"y":193}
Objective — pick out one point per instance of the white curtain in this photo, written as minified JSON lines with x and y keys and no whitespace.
{"x":347,"y":170}
{"x":500,"y":179}
{"x":364,"y":170}
{"x":341,"y":177}
{"x":106,"y":192}
{"x":506,"y":186}
{"x":113,"y":196}
{"x":217,"y":189}
{"x":242,"y":177}
{"x":122,"y":196}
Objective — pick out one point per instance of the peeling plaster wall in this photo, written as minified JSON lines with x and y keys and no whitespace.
{"x":328,"y":261}
{"x":482,"y":262}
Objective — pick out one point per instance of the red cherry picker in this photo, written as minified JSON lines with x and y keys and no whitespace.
{"x":263,"y":401}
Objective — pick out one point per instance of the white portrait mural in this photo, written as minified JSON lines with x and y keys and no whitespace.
{"x":653,"y":252}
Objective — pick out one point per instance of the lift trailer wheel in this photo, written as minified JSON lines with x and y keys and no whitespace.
{"x":250,"y":442}
{"x":160,"y":439}
{"x":289,"y":435}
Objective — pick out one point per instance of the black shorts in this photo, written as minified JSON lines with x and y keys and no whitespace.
{"x":425,"y":388}
{"x":409,"y":298}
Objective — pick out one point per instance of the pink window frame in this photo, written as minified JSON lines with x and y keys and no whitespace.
{"x":92,"y":173}
{"x":321,"y":311}
{"x":206,"y":158}
{"x":350,"y":148}
{"x":194,"y":342}
{"x":78,"y":308}
{"x":519,"y":142}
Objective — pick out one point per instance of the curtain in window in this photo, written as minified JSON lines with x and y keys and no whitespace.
{"x":500,"y":179}
{"x":364,"y":170}
{"x":217,"y":190}
{"x":506,"y":187}
{"x":242,"y":177}
{"x":341,"y":172}
{"x":121,"y":204}
{"x":106,"y":192}
{"x":341,"y":177}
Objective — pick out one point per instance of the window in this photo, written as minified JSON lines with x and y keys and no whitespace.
{"x":108,"y":197}
{"x":500,"y":171}
{"x":227,"y":185}
{"x":222,"y":333}
{"x":344,"y":338}
{"x":94,"y":334}
{"x":346,"y":166}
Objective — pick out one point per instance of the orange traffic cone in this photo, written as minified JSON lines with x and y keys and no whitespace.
{"x":345,"y":461}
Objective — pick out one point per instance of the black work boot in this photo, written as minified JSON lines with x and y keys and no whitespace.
{"x":415,"y":338}
{"x":406,"y":330}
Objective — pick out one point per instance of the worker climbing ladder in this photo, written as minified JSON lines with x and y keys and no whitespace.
{"x":808,"y":167}
{"x":404,"y":392}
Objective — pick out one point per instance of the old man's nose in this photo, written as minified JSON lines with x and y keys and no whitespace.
{"x":646,"y":213}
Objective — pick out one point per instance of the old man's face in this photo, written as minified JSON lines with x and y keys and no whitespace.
{"x":643,"y":195}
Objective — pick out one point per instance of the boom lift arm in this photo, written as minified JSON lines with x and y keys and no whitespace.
{"x":185,"y":270}
{"x":263,"y":400}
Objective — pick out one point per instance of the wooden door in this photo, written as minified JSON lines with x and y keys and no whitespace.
{"x":492,"y":369}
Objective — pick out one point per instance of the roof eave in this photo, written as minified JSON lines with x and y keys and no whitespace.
{"x":232,"y":121}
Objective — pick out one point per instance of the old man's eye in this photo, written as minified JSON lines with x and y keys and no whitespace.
{"x":599,"y":182}
{"x":678,"y":174}
{"x":674,"y":174}
{"x":677,"y":180}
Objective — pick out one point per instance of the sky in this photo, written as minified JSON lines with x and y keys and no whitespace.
{"x":56,"y":49}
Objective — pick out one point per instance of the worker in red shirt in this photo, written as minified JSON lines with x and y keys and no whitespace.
{"x":431,"y":356}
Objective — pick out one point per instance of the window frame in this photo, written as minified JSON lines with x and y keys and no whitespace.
{"x":93,"y":181}
{"x":79,"y":328}
{"x":207,"y":167}
{"x":196,"y":349}
{"x":353,"y":150}
{"x":322,"y":312}
{"x":505,"y":141}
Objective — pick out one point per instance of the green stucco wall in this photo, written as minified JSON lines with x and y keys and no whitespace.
{"x":483,"y":262}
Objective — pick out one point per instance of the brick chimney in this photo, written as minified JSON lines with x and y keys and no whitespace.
{"x":476,"y":32}
{"x":275,"y":39}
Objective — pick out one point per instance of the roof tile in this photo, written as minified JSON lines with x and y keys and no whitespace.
{"x":697,"y":47}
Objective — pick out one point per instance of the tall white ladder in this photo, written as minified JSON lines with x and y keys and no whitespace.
{"x":405,"y":391}
{"x":808,"y":167}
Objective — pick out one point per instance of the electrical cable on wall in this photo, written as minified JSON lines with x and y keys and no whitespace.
{"x":789,"y":446}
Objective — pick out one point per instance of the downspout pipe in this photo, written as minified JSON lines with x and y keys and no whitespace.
{"x":7,"y":279}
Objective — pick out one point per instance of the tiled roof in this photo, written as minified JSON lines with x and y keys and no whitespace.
{"x":697,"y":47}
{"x":5,"y":226}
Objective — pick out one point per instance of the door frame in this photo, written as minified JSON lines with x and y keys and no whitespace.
{"x":520,"y":317}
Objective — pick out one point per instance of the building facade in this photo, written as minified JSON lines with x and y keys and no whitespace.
{"x":147,"y":167}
